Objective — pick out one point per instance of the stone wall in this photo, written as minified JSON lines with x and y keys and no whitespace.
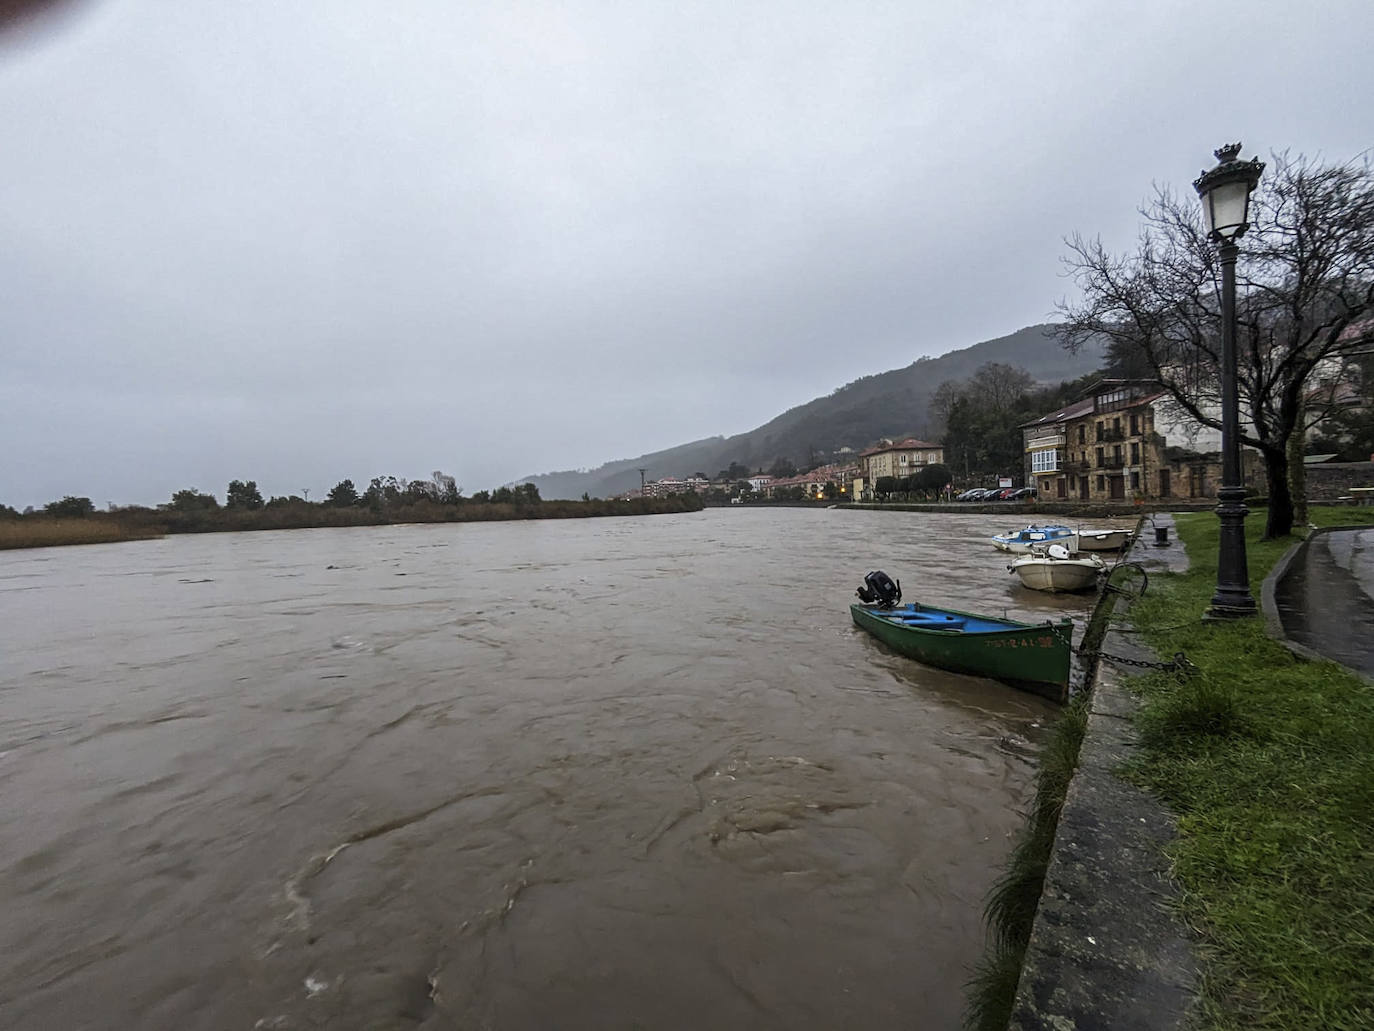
{"x":1331,"y":480}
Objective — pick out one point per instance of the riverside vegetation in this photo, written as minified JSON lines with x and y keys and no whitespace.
{"x":1267,"y":762}
{"x":74,"y":520}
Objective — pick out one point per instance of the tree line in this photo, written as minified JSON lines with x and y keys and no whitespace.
{"x":388,"y":499}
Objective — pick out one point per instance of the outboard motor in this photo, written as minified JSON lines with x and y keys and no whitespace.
{"x":881,"y":590}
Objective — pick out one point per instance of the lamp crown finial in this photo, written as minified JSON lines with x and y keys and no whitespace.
{"x":1230,"y":152}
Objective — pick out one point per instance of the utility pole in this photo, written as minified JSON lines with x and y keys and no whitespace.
{"x":641,"y":481}
{"x":306,"y":491}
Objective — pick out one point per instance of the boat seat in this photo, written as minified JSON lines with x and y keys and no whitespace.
{"x":934,"y":621}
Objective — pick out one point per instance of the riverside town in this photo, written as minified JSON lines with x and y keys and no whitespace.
{"x":774,"y":517}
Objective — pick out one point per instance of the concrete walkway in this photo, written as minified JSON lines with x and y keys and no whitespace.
{"x":1319,"y":600}
{"x":1107,"y":952}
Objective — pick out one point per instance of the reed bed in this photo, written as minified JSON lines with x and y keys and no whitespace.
{"x":47,"y":533}
{"x":131,"y":524}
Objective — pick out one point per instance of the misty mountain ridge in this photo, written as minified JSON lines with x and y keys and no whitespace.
{"x":891,"y":404}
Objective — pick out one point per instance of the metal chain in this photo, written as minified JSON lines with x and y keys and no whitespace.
{"x":1179,"y":664}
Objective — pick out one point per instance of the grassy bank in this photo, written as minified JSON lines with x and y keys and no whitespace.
{"x":42,"y":532}
{"x":37,"y":531}
{"x":1268,"y":763}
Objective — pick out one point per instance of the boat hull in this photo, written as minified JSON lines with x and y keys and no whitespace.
{"x":1048,"y":574}
{"x":1022,"y":542}
{"x":1102,"y":540}
{"x":1029,"y":656}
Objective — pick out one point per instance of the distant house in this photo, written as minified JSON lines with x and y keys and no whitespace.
{"x":813,"y":484}
{"x":899,"y":458}
{"x":1128,"y":440}
{"x":673,"y":485}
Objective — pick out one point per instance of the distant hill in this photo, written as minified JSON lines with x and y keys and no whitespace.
{"x":888,"y":404}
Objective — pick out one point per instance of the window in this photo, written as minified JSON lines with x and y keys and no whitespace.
{"x":1046,"y":461}
{"x":1101,"y":431}
{"x":1100,"y":460}
{"x":1135,"y":423}
{"x":1116,"y":427}
{"x":1135,"y":452}
{"x":1116,"y":454}
{"x":1082,"y":434}
{"x":1114,"y":399}
{"x":1102,"y":483}
{"x":1135,"y":481}
{"x":903,"y":459}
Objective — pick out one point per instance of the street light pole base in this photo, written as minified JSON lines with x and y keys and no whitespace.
{"x":1229,"y":613}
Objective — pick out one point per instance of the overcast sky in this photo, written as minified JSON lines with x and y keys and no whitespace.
{"x":297,"y":242}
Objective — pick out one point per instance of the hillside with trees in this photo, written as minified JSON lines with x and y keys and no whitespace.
{"x":892,"y":404}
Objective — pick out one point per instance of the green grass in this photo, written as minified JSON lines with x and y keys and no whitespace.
{"x":1268,"y":763}
{"x":1010,"y":909}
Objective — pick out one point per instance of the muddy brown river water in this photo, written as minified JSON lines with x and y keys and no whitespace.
{"x":614,"y":773}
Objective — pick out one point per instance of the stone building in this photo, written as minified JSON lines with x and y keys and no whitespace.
{"x":1126,"y":442}
{"x":899,"y":458}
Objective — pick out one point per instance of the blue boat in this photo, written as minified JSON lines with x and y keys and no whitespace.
{"x":1021,"y":542}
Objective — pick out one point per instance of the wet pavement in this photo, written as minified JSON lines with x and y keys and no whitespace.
{"x":1322,"y":597}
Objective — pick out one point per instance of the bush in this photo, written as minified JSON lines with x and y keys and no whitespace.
{"x":70,"y":508}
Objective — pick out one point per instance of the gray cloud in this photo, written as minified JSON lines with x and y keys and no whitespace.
{"x":303,"y":242}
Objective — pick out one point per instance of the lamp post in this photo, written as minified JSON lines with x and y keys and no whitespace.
{"x":1225,"y":191}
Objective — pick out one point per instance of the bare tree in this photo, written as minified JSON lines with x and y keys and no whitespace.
{"x":999,"y":386}
{"x":1304,"y":304}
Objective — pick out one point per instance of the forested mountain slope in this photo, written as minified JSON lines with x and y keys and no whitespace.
{"x":888,"y":404}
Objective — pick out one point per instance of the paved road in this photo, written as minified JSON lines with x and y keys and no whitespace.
{"x":1324,"y":600}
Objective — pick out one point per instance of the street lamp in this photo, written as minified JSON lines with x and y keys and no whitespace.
{"x":1225,"y":191}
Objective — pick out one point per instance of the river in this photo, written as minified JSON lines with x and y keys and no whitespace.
{"x":604,"y":773}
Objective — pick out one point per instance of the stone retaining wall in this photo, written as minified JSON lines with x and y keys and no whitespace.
{"x":1106,"y":951}
{"x":1331,"y":480}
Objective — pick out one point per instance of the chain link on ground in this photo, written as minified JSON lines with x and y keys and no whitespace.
{"x":1180,"y":664}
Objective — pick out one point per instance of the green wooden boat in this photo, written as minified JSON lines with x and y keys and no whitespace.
{"x":1031,"y":656}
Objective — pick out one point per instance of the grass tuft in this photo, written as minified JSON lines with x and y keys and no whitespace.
{"x":992,"y":989}
{"x":1015,"y":896}
{"x":1200,"y":707}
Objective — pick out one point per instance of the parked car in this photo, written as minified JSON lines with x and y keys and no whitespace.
{"x":1001,"y":494}
{"x":970,"y":494}
{"x":1024,"y":494}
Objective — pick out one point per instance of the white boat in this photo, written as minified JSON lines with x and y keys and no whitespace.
{"x":1054,"y":569}
{"x":1102,"y":540}
{"x":1019,"y":542}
